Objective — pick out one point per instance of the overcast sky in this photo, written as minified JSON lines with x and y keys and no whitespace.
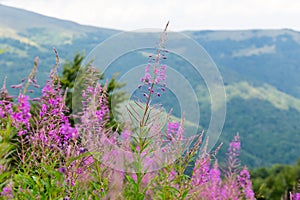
{"x":183,"y":14}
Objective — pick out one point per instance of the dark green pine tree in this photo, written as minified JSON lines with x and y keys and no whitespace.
{"x":71,"y":73}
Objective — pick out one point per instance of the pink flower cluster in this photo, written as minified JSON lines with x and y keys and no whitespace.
{"x":18,"y":112}
{"x":295,"y":196}
{"x":7,"y":192}
{"x":173,"y":131}
{"x":55,"y":126}
{"x":22,"y":115}
{"x":207,"y":182}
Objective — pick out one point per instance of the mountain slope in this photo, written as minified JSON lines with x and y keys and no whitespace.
{"x":25,"y":35}
{"x":259,"y":56}
{"x":21,"y":21}
{"x":261,"y":71}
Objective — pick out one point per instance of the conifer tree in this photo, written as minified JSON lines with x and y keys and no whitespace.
{"x":71,"y":73}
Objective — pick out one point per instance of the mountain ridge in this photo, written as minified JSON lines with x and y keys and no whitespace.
{"x":8,"y":10}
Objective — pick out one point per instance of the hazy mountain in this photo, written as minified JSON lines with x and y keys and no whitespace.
{"x":260,"y":56}
{"x":25,"y":35}
{"x":260,"y":69}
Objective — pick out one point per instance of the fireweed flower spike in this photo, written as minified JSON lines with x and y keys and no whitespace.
{"x":22,"y":115}
{"x":245,"y":183}
{"x":155,"y":71}
{"x":55,"y":128}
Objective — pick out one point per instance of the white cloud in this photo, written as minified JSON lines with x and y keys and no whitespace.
{"x":184,"y":14}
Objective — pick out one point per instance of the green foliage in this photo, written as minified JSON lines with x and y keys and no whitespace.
{"x":7,"y":148}
{"x":275,"y":182}
{"x":270,"y":135}
{"x":74,"y":71}
{"x":68,"y":77}
{"x":44,"y":183}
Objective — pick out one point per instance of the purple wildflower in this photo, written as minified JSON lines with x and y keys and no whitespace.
{"x":88,"y":161}
{"x":126,"y":134}
{"x":2,"y":113}
{"x":82,"y":150}
{"x":68,"y":132}
{"x":295,"y":196}
{"x":245,"y":183}
{"x":22,"y":115}
{"x":7,"y":192}
{"x":201,"y":171}
{"x":235,"y":145}
{"x":174,"y":131}
{"x":233,"y":153}
{"x":79,"y":170}
{"x":173,"y":127}
{"x":62,"y":170}
{"x":215,"y":182}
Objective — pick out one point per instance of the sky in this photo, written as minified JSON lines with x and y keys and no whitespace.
{"x":183,"y":14}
